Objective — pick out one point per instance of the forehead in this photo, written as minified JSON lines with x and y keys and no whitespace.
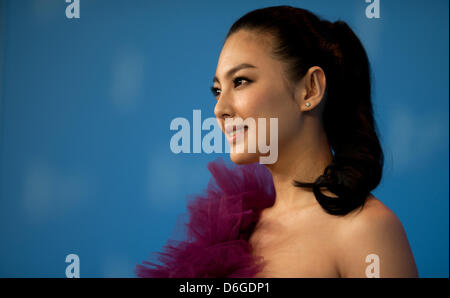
{"x":245,"y":46}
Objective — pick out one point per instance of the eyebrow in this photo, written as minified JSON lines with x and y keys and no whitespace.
{"x":233,"y":70}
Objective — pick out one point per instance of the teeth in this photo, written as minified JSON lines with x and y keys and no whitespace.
{"x":238,"y":130}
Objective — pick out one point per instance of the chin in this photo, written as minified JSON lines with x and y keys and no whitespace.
{"x":244,"y":158}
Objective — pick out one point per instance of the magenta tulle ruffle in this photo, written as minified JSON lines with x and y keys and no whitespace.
{"x":221,"y":221}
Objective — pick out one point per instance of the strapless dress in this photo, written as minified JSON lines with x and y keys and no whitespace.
{"x":215,"y":238}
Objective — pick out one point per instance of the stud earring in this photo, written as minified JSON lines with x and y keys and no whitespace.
{"x":308,"y":104}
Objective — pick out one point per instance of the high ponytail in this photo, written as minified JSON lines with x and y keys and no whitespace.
{"x":303,"y":40}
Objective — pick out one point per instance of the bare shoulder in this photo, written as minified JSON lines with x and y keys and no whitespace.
{"x":373,"y":215}
{"x":373,"y":218}
{"x":374,"y":230}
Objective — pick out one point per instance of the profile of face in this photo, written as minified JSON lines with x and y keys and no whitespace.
{"x":251,"y":83}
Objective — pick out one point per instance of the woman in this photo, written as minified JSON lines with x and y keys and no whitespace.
{"x":318,"y":219}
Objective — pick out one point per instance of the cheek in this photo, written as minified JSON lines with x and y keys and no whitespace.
{"x":258,"y":103}
{"x":282,"y":106}
{"x":270,"y":103}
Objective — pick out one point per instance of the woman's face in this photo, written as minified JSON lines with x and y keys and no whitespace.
{"x":251,"y":83}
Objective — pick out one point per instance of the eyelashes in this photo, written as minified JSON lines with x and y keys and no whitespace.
{"x":238,"y":81}
{"x":215,"y":91}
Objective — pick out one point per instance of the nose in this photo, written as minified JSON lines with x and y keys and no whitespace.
{"x":223,"y":108}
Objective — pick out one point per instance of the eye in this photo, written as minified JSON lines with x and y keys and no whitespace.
{"x":215,"y":91}
{"x":240,"y":80}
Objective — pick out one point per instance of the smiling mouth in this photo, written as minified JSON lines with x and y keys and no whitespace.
{"x":234,"y":132}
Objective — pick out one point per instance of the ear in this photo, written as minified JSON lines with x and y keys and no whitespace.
{"x":311,"y":89}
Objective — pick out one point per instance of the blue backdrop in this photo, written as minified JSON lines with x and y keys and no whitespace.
{"x":86,"y":104}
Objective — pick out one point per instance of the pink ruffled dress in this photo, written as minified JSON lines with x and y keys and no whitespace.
{"x":221,"y":221}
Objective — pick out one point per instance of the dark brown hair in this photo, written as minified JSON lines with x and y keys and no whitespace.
{"x":303,"y":40}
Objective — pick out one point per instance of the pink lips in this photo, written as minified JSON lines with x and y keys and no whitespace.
{"x":233,"y":132}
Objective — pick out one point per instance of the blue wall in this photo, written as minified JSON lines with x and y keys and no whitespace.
{"x":85,"y":162}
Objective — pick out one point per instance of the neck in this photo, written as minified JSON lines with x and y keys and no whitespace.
{"x":304,"y":159}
